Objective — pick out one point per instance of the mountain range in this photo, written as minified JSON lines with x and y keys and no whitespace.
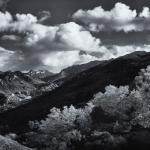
{"x":74,"y":86}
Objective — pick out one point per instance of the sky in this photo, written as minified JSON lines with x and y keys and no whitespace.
{"x":56,"y":34}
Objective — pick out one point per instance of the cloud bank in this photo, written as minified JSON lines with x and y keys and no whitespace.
{"x":119,"y":18}
{"x":53,"y":47}
{"x":63,"y":45}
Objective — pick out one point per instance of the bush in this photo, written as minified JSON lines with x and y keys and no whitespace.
{"x":117,"y":109}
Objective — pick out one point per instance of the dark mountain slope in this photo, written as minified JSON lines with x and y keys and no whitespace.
{"x":70,"y":72}
{"x":17,"y":88}
{"x":78,"y":90}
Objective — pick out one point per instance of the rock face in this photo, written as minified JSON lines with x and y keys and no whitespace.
{"x":17,"y":87}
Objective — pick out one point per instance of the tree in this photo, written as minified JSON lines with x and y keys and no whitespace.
{"x":3,"y":99}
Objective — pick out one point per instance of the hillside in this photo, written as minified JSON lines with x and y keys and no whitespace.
{"x":77,"y":90}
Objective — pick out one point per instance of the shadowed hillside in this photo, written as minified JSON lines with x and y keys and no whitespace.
{"x":78,"y":90}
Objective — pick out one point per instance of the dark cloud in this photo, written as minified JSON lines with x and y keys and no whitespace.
{"x":3,"y":4}
{"x":44,"y":16}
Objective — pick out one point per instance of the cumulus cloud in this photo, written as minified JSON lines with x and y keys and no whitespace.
{"x":23,"y":22}
{"x":60,"y":46}
{"x":45,"y":45}
{"x":145,"y":13}
{"x":56,"y":61}
{"x":19,"y":22}
{"x":69,"y":35}
{"x":120,"y":13}
{"x":5,"y":20}
{"x":119,"y":18}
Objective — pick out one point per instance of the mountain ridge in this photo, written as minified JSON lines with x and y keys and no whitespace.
{"x":78,"y":90}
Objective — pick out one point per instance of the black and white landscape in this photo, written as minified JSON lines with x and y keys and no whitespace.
{"x":74,"y":74}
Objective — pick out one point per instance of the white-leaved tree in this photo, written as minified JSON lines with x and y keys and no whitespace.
{"x":64,"y":127}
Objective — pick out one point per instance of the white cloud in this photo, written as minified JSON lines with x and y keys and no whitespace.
{"x":23,"y":22}
{"x":69,"y":36}
{"x":145,"y":13}
{"x":56,"y":47}
{"x":56,"y":61}
{"x":51,"y":46}
{"x":5,"y":20}
{"x":5,"y":56}
{"x":60,"y":46}
{"x":120,"y":13}
{"x":120,"y":18}
{"x":76,"y":37}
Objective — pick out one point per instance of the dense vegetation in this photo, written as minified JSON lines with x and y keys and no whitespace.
{"x":103,"y":122}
